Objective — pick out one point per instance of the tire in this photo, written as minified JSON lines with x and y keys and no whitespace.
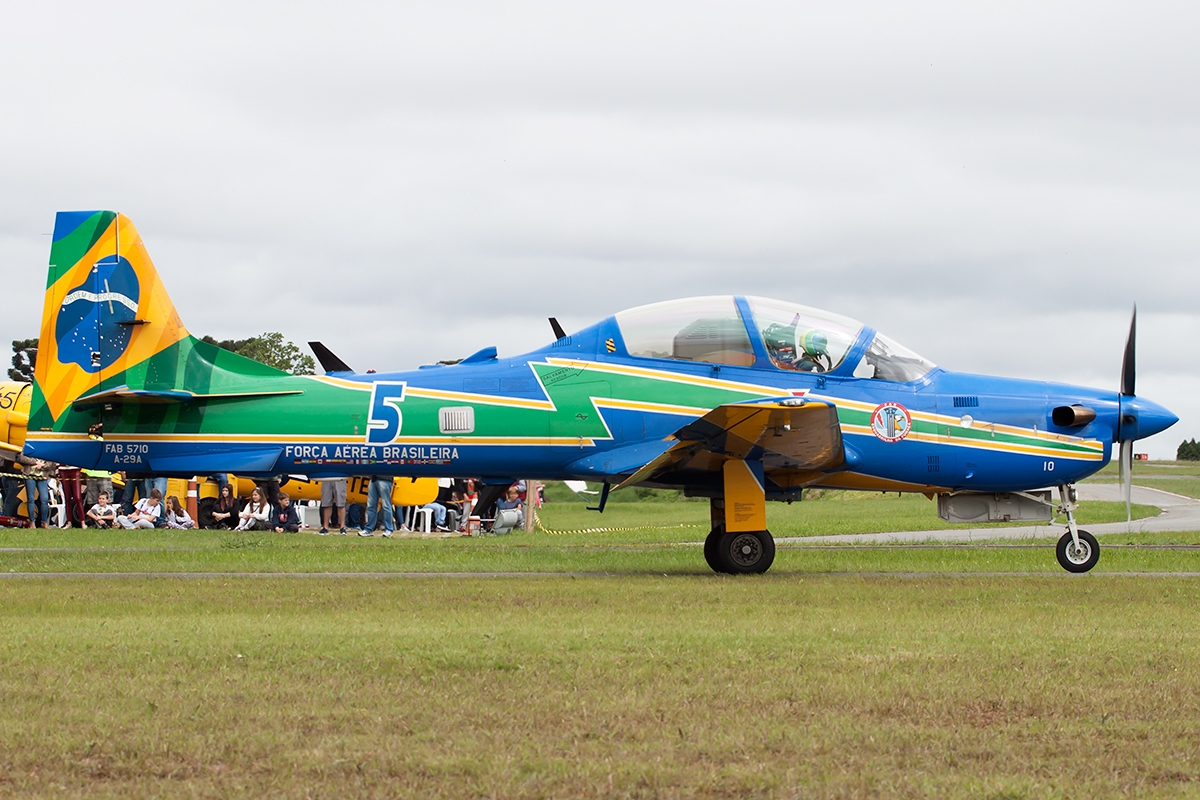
{"x":1081,"y":561}
{"x":204,"y":509}
{"x":746,"y":553}
{"x":711,"y":544}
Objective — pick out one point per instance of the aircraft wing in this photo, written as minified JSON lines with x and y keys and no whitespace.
{"x":796,"y":443}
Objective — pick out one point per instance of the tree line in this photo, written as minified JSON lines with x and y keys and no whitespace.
{"x":269,"y":348}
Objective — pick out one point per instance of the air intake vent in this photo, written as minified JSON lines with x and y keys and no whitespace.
{"x":934,"y":463}
{"x":456,"y":419}
{"x":966,"y":402}
{"x":563,"y":342}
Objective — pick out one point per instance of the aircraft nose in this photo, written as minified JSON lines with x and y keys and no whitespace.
{"x":1151,"y":418}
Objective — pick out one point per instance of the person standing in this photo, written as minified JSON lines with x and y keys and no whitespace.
{"x":379,"y":491}
{"x":98,"y":481}
{"x":71,"y":485}
{"x":37,"y":484}
{"x":11,"y":486}
{"x":333,"y":494}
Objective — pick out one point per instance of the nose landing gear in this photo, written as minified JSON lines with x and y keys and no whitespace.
{"x":1077,"y":550}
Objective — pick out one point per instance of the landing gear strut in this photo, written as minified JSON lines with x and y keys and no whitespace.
{"x":1077,"y":550}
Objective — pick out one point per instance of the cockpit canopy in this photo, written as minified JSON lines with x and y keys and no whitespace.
{"x":796,"y":338}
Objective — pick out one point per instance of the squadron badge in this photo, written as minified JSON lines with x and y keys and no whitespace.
{"x":891,"y":422}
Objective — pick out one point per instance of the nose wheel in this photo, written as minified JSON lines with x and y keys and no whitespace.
{"x":1078,"y":556}
{"x":744,"y":553}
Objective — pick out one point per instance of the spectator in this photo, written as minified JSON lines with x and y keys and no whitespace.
{"x":72,"y":490}
{"x":284,"y":519}
{"x":102,"y":514}
{"x":506,"y":522}
{"x":37,"y":484}
{"x":150,"y":483}
{"x":146,"y":513}
{"x":333,"y":493}
{"x":225,"y":512}
{"x":11,"y":483}
{"x":270,"y":488}
{"x":97,"y":481}
{"x":177,"y":517}
{"x":379,"y":491}
{"x":129,"y":490}
{"x":256,"y":514}
{"x":438,"y":507}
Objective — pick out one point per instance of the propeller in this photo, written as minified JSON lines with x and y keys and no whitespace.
{"x":1124,"y":434}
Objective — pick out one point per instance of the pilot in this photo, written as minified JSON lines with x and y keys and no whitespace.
{"x":804,"y":352}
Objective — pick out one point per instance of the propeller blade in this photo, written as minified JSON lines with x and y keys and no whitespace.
{"x":1127,"y":477}
{"x":1129,"y":362}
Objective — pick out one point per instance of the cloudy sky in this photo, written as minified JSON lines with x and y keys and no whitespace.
{"x":992,"y":185}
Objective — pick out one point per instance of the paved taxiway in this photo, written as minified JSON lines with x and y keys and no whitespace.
{"x":1179,"y":513}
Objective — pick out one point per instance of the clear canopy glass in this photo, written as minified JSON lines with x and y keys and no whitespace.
{"x":705,"y":329}
{"x":801,"y":338}
{"x":797,"y":338}
{"x":887,"y":360}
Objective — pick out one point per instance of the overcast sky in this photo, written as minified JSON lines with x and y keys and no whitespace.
{"x":992,"y":185}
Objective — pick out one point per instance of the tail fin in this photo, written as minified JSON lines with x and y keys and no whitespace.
{"x":105,"y":311}
{"x":110,"y":333}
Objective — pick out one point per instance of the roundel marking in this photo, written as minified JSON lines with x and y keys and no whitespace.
{"x":87,"y":329}
{"x":891,"y":422}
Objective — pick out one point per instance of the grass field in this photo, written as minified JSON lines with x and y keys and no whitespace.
{"x":966,"y":671}
{"x":1179,"y":477}
{"x":776,"y":686}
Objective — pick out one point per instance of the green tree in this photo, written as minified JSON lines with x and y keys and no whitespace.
{"x":1189,"y":450}
{"x":270,"y":349}
{"x":24,"y":360}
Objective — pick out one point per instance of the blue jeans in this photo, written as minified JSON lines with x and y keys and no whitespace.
{"x":11,"y":501}
{"x":439,"y":513}
{"x":155,"y":483}
{"x":379,"y":492}
{"x":43,"y":500}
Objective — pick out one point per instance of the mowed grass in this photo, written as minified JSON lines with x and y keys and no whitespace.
{"x":771,"y":686}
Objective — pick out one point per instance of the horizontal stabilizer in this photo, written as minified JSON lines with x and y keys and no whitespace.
{"x":125,"y":394}
{"x":329,"y":362}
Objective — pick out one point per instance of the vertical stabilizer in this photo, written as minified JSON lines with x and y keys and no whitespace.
{"x":105,"y":311}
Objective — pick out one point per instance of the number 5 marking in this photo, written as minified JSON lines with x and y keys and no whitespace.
{"x":384,"y":419}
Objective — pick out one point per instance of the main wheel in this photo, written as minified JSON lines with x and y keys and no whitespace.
{"x":1078,"y":559}
{"x":745,"y":553}
{"x":711,"y":544}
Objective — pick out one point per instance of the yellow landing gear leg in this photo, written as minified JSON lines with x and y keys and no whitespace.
{"x":742,"y":544}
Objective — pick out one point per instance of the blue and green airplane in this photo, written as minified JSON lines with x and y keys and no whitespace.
{"x":738,"y":399}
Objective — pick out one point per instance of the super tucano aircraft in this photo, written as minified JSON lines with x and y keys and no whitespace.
{"x":738,"y":399}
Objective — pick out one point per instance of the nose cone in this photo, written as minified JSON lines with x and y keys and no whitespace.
{"x":1151,"y":417}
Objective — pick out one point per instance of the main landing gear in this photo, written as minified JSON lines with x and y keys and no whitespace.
{"x":738,"y":553}
{"x":1077,"y":550}
{"x":742,"y":553}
